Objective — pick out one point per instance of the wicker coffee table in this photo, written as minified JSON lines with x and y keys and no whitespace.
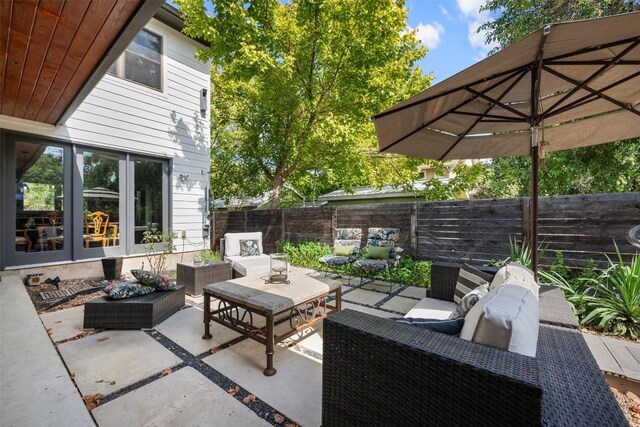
{"x":305,"y":298}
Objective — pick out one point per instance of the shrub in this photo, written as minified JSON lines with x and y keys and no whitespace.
{"x":158,"y":245}
{"x":305,"y":254}
{"x":209,"y":255}
{"x":410,"y":272}
{"x":615,"y":303}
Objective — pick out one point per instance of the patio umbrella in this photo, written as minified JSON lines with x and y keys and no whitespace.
{"x":564,"y":86}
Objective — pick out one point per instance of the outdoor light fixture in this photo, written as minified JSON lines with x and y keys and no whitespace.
{"x":183,"y":177}
{"x":203,"y":101}
{"x":278,"y":268}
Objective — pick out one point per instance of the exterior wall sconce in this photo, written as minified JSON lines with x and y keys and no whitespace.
{"x":183,"y":177}
{"x":203,"y":101}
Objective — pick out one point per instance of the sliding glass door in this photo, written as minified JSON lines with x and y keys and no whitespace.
{"x":37,"y":221}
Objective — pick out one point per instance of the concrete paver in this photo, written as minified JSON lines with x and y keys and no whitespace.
{"x":414,"y":292}
{"x":111,"y":360}
{"x":399,"y":304}
{"x":64,"y":324}
{"x":35,"y":387}
{"x":186,"y":327}
{"x":364,"y":297}
{"x":184,"y":397}
{"x":296,"y":389}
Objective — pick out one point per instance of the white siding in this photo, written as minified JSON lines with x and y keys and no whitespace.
{"x":129,"y":117}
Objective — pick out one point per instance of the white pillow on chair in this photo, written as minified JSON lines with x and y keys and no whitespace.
{"x":507,"y":318}
{"x":232,"y":242}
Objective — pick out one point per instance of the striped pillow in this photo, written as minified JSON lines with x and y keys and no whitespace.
{"x":469,"y":278}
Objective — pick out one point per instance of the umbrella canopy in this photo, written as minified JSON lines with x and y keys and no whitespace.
{"x":564,"y":86}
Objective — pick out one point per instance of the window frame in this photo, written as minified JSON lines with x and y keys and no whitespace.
{"x":120,"y":64}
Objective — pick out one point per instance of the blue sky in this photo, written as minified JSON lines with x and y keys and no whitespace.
{"x":448,"y":29}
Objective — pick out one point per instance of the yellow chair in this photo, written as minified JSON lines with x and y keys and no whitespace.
{"x":96,"y":224}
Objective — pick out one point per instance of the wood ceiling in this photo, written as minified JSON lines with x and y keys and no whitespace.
{"x":50,"y":50}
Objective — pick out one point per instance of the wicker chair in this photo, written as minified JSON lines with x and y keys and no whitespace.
{"x":377,"y":237}
{"x":410,"y":376}
{"x":338,"y":264}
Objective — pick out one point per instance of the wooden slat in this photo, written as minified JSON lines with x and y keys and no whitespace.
{"x":5,"y":25}
{"x":87,"y":31}
{"x":45,"y":24}
{"x":620,"y":350}
{"x":601,"y":353}
{"x":72,"y":14}
{"x":110,"y":29}
{"x":22,"y":18}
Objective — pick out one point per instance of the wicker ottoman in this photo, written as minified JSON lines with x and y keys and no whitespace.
{"x":194,"y":277}
{"x":142,"y":312}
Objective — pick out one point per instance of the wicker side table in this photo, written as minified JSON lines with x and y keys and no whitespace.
{"x":194,"y":277}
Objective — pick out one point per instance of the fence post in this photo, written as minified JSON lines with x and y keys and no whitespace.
{"x":525,"y":215}
{"x":414,"y":230}
{"x":283,"y":225}
{"x":334,"y":219}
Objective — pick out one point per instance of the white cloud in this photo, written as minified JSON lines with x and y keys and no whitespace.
{"x":429,"y":34}
{"x":444,"y":12}
{"x":470,"y":10}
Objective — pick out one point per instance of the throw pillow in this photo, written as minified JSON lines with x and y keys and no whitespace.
{"x":470,"y":299}
{"x":444,"y":326}
{"x":469,"y":278}
{"x":343,"y":250}
{"x":507,"y":318}
{"x":153,"y":280}
{"x":128,"y":290}
{"x":249,"y":247}
{"x":378,"y":252}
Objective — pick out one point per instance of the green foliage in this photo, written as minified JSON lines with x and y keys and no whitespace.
{"x":158,"y":245}
{"x":558,"y":267}
{"x":615,"y":304}
{"x":305,"y":254}
{"x":294,"y":86}
{"x":209,"y":255}
{"x":520,"y":253}
{"x":578,"y":171}
{"x":410,"y":272}
{"x":576,"y":290}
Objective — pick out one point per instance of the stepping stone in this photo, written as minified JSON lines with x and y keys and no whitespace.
{"x":364,"y":297}
{"x":414,"y":292}
{"x":186,"y":327}
{"x":57,"y":294}
{"x":64,"y":324}
{"x":381,"y":286}
{"x":399,"y":304}
{"x":184,"y":397}
{"x":111,"y":360}
{"x":296,"y":389}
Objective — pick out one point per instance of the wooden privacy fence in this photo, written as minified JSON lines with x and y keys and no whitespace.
{"x":582,"y":227}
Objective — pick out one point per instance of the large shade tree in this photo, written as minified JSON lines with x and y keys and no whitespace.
{"x":596,"y":169}
{"x":294,"y":85}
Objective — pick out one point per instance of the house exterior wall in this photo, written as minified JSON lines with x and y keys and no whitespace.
{"x":131,"y":118}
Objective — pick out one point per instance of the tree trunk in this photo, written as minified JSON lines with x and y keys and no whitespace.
{"x":278,"y":183}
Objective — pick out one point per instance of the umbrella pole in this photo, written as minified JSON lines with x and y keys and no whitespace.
{"x":535,"y":163}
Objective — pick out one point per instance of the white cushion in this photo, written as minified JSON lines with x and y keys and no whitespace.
{"x":515,"y":273}
{"x":232,"y":242}
{"x":506,"y":318}
{"x":250,"y":265}
{"x":431,"y":308}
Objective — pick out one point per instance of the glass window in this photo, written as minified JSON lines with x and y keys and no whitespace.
{"x":39,"y":193}
{"x":100,"y":200}
{"x":148,"y":197}
{"x":142,"y":61}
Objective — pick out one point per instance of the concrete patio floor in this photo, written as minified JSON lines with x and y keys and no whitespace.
{"x":171,"y":376}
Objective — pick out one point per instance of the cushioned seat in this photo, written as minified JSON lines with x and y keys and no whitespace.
{"x":430,"y":308}
{"x":250,"y":265}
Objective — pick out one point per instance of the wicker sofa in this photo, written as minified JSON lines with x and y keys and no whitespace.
{"x":377,"y":372}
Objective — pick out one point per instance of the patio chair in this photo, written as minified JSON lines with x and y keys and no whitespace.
{"x":96,"y":224}
{"x":376,"y":260}
{"x":346,"y":249}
